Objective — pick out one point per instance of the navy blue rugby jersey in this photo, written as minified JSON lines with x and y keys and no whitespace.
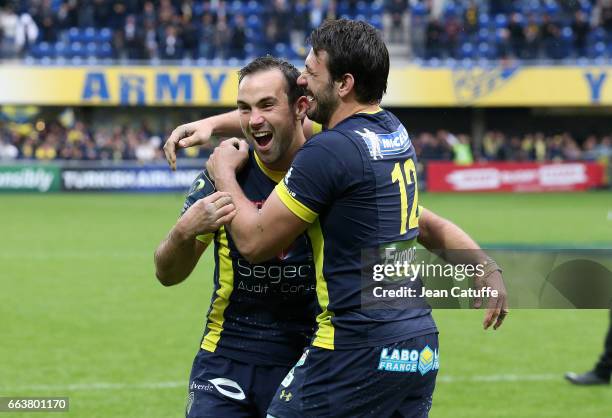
{"x":259,"y":313}
{"x":356,"y":185}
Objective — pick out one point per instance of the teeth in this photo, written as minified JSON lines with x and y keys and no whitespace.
{"x":260,"y":134}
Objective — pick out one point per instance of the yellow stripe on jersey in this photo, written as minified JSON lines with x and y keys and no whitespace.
{"x":316,"y":128}
{"x":373,"y":112}
{"x":298,"y":208}
{"x":274,"y":175}
{"x":223,"y":293}
{"x":324,"y":337}
{"x":205,"y":239}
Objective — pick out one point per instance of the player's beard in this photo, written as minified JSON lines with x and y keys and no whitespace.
{"x":326,"y":103}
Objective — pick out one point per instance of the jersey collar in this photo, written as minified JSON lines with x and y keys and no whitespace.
{"x":275,"y":176}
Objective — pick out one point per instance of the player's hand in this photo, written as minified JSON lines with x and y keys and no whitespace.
{"x":206,"y":215}
{"x":228,"y":158}
{"x":497,"y":307}
{"x":185,"y":136}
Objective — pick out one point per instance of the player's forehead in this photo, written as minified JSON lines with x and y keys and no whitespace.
{"x":316,"y":61}
{"x":261,"y":84}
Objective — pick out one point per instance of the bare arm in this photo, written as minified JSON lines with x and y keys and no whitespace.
{"x":177,"y":255}
{"x":200,"y":132}
{"x":439,"y":234}
{"x":258,"y":234}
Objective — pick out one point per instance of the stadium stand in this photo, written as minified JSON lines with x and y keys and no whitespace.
{"x":103,"y":30}
{"x":54,"y":141}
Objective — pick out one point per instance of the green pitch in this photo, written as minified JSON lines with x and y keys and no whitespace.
{"x":82,"y":315}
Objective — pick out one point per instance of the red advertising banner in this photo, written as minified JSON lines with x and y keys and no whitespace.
{"x":513,"y":177}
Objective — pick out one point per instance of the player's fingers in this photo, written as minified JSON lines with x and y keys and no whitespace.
{"x":224,"y":211}
{"x":501,"y":318}
{"x":243,"y":146}
{"x":492,"y":314}
{"x":170,"y":152}
{"x":188,"y":141}
{"x":222,"y":201}
{"x":216,"y":196}
{"x":226,"y":219}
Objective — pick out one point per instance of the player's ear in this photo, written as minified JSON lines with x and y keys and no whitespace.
{"x":345,"y":84}
{"x":301,"y":106}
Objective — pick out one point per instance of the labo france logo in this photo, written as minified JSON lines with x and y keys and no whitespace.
{"x":409,"y":361}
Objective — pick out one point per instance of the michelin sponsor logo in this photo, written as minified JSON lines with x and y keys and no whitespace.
{"x":409,"y":361}
{"x":385,"y":145}
{"x":26,"y":179}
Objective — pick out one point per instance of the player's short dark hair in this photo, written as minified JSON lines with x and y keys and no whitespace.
{"x":357,"y":48}
{"x":291,"y":74}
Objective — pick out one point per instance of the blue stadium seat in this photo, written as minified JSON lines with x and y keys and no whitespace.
{"x":253,"y":22}
{"x":105,"y":50}
{"x":253,"y":7}
{"x":501,"y":21}
{"x":363,"y":8}
{"x":377,"y":8}
{"x":483,"y":20}
{"x":88,"y":35}
{"x":343,"y":8}
{"x":91,"y":49}
{"x":61,"y":49}
{"x":377,"y":21}
{"x":467,"y":50}
{"x":104,"y":35}
{"x":419,"y":9}
{"x":74,"y":35}
{"x":552,"y":8}
{"x":237,"y":7}
{"x":484,"y":35}
{"x":597,"y":50}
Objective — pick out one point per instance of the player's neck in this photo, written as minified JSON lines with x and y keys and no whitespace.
{"x":348,"y":109}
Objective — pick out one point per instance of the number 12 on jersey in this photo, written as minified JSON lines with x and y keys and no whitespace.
{"x":404,"y":179}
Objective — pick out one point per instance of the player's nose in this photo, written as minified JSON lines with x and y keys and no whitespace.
{"x":256,"y":120}
{"x":301,"y":80}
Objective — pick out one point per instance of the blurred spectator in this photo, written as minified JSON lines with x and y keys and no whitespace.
{"x":396,"y":10}
{"x":238,"y":39}
{"x":433,"y":39}
{"x":207,"y":37}
{"x":222,"y":37}
{"x":517,"y":36}
{"x":581,"y":29}
{"x":8,"y":151}
{"x":171,"y":46}
{"x":134,"y":39}
{"x":189,"y":36}
{"x":8,"y":27}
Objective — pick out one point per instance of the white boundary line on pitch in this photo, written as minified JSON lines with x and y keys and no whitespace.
{"x":176,"y":384}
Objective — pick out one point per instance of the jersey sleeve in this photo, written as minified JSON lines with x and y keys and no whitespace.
{"x":316,"y":177}
{"x":201,"y":187}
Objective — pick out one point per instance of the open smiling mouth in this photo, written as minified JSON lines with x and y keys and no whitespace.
{"x":262,"y":138}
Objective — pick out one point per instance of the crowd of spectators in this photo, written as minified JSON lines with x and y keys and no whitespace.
{"x":502,"y":29}
{"x":499,"y":146}
{"x":54,"y":141}
{"x":165,"y":29}
{"x":209,"y":29}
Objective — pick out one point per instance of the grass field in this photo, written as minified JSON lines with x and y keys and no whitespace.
{"x":82,"y":315}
